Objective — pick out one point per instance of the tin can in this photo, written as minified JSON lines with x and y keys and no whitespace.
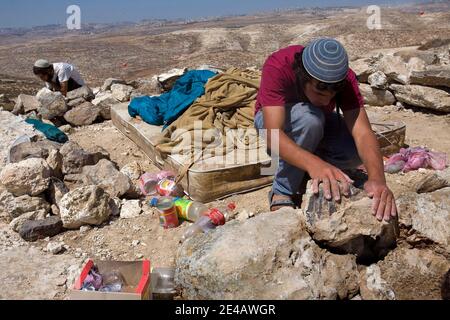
{"x":167,"y":187}
{"x":168,"y":217}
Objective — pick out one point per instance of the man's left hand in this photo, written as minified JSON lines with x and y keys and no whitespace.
{"x":384,"y":206}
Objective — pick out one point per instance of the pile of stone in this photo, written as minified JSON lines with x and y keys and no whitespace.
{"x":80,"y":107}
{"x":48,"y":187}
{"x":408,"y":77}
{"x":326,"y":250}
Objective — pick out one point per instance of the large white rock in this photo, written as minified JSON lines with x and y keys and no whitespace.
{"x":85,"y":205}
{"x":376,"y":97}
{"x":427,"y":213}
{"x":105,"y":175}
{"x":412,"y":274}
{"x":349,"y":226}
{"x":394,"y":68}
{"x":267,"y":257}
{"x":26,"y":103}
{"x":82,"y":115}
{"x":131,"y":209}
{"x":28,"y":177}
{"x":424,"y":97}
{"x":14,"y":207}
{"x":121,"y":92}
{"x":378,"y":80}
{"x":432,"y":77}
{"x":111,"y":81}
{"x":84,"y":92}
{"x":104,"y":101}
{"x":53,"y":104}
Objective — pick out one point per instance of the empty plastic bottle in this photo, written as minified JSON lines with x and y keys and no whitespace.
{"x":190,"y":210}
{"x":205,"y":223}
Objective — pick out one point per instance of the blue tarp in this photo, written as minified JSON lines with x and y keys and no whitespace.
{"x":166,"y":108}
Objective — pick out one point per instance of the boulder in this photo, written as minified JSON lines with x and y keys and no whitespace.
{"x":28,"y":177}
{"x":436,"y":77}
{"x":53,"y":104}
{"x":76,"y":102}
{"x":109,"y":82}
{"x":26,"y":103}
{"x":17,"y":206}
{"x":149,"y":87}
{"x":423,"y":181}
{"x":423,"y":97}
{"x":415,"y":64}
{"x":132,"y":170}
{"x":378,"y":80}
{"x":27,"y":150}
{"x":349,"y":226}
{"x":372,"y":286}
{"x":85,"y":205}
{"x":5,"y":103}
{"x":84,"y":92}
{"x":55,"y":247}
{"x":105,"y":175}
{"x":130,"y":209}
{"x":41,"y":229}
{"x":276,"y":259}
{"x":394,"y":68}
{"x":83,"y":115}
{"x":104,"y":101}
{"x":363,"y":68}
{"x":12,"y":130}
{"x":428,"y":57}
{"x":428,"y":214}
{"x":55,"y":162}
{"x":56,"y":191}
{"x":75,"y":157}
{"x":376,"y":97}
{"x":17,"y":223}
{"x":121,"y":92}
{"x":168,"y":79}
{"x":414,"y":274}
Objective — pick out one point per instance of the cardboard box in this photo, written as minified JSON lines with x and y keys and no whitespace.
{"x":136,"y":275}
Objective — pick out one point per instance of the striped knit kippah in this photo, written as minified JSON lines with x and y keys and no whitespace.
{"x":326,"y":60}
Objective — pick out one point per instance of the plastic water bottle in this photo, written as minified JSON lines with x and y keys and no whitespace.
{"x":190,"y":210}
{"x":209,"y":221}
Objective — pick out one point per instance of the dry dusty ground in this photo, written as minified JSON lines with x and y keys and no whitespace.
{"x":28,"y":272}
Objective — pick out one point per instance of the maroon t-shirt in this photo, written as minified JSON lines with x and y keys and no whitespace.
{"x":279,"y":85}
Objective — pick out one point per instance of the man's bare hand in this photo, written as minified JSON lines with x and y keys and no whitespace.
{"x":334,"y":182}
{"x":384,"y":206}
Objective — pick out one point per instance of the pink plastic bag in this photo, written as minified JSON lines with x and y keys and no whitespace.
{"x":415,"y":158}
{"x":149,"y":181}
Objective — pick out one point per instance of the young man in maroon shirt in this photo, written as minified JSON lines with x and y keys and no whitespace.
{"x":300,"y":89}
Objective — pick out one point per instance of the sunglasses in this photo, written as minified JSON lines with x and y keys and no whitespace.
{"x":333,"y":87}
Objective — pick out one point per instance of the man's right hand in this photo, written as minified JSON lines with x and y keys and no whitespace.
{"x":334,"y":182}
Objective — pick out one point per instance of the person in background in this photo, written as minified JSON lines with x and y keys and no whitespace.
{"x":300,"y":89}
{"x":61,"y":76}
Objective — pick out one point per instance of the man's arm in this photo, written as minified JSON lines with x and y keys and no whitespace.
{"x":64,"y":88}
{"x":289,"y":151}
{"x":369,"y":150}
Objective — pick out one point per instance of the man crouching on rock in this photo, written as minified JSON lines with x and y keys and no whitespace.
{"x":300,"y":89}
{"x":60,"y":76}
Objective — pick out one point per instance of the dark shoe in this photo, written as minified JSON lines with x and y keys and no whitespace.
{"x":280,"y":203}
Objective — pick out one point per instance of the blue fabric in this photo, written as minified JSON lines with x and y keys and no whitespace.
{"x":326,"y":60}
{"x":51,"y":132}
{"x":166,"y":108}
{"x":325,"y":136}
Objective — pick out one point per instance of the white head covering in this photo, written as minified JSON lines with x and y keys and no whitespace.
{"x":41,"y":63}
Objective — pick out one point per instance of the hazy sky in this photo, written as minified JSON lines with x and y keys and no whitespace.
{"x":27,"y":13}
